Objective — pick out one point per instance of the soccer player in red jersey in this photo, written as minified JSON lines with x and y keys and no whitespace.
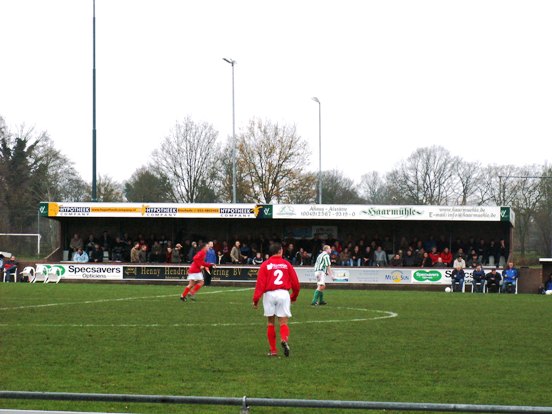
{"x":195,"y":274}
{"x":275,"y":278}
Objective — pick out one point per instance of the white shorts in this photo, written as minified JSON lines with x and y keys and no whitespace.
{"x":277,"y":302}
{"x":195,"y":276}
{"x":320,"y":278}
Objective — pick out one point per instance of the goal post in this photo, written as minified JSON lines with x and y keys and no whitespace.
{"x":19,"y":235}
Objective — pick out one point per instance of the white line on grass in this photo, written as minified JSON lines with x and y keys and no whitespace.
{"x":46,"y":305}
{"x":386,"y":315}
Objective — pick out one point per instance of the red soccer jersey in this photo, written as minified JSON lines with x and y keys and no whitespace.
{"x":199,"y":260}
{"x":276,"y":273}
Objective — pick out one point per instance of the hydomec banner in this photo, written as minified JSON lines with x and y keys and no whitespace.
{"x":82,"y":271}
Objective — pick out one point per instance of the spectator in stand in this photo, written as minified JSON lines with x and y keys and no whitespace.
{"x":460,"y":253}
{"x":473,"y":261}
{"x":478,"y":279}
{"x":143,"y":253}
{"x":80,"y":256}
{"x":1,"y":266}
{"x":457,"y":278}
{"x":356,"y":256}
{"x":492,"y":253}
{"x":97,"y":254}
{"x":396,"y":261}
{"x":10,"y":269}
{"x":235,"y":253}
{"x":503,"y":252}
{"x":434,"y":255}
{"x":106,"y":242}
{"x":75,"y":243}
{"x":289,"y":253}
{"x":481,"y":252}
{"x":156,"y":254}
{"x":135,"y":253}
{"x":510,"y":276}
{"x":118,"y":251}
{"x":345,"y":258}
{"x":492,"y":280}
{"x":246,"y":253}
{"x":368,"y":256}
{"x":191,"y":252}
{"x":410,"y":260}
{"x":90,"y":245}
{"x":439,"y":263}
{"x":446,"y":255}
{"x":210,"y":255}
{"x":258,"y":259}
{"x":459,"y":261}
{"x":380,"y":257}
{"x":426,"y":260}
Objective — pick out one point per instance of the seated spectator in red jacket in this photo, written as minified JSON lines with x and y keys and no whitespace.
{"x":446,"y":255}
{"x":434,"y":255}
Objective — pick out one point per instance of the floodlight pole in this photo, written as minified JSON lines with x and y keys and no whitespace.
{"x":233,"y":62}
{"x":94,"y":194}
{"x":315,"y":99}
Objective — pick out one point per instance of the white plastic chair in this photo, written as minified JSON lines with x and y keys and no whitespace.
{"x":28,"y":272}
{"x":482,"y":284}
{"x":11,"y":274}
{"x":54,"y":275}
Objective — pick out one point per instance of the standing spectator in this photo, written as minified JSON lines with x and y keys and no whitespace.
{"x":106,"y":242}
{"x":75,"y":243}
{"x":380,"y":257}
{"x":481,"y":250}
{"x":503,"y":252}
{"x":80,"y":256}
{"x":245,"y":252}
{"x":191,"y":252}
{"x":276,"y":276}
{"x":235,"y":253}
{"x":510,"y":276}
{"x":493,"y":255}
{"x":135,"y":253}
{"x":156,"y":254}
{"x":90,"y":245}
{"x":210,"y":255}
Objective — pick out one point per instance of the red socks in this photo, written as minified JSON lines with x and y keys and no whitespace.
{"x":284,"y":332}
{"x":271,"y":335}
{"x":195,"y":289}
{"x":186,"y":291}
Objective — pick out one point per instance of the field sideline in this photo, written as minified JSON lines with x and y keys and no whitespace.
{"x":365,"y":345}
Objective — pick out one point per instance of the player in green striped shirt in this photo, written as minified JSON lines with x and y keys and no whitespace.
{"x":322,"y":267}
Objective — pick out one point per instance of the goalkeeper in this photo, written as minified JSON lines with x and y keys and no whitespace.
{"x":322,"y":269}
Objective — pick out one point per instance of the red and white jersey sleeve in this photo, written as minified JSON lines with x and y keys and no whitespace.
{"x":274,"y":274}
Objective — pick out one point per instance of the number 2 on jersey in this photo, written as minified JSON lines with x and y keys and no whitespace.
{"x":278,"y":274}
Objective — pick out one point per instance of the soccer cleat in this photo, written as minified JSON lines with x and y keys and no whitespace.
{"x":285,"y":347}
{"x":191,"y":297}
{"x":323,"y":303}
{"x":272,"y":354}
{"x":183,"y":298}
{"x":314,"y":304}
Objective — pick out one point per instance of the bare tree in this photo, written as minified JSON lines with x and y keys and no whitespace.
{"x":426,"y":177}
{"x":468,"y":177}
{"x":109,"y":190}
{"x":338,"y":189}
{"x":187,"y":157}
{"x":224,"y":184}
{"x":273,"y":157}
{"x":373,"y":188}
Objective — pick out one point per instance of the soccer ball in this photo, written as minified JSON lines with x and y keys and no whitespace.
{"x":548,"y":292}
{"x":448,"y":290}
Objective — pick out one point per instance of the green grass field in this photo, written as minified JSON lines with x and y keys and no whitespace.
{"x":140,"y":339}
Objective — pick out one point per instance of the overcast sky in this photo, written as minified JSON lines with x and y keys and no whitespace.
{"x":392,"y":76}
